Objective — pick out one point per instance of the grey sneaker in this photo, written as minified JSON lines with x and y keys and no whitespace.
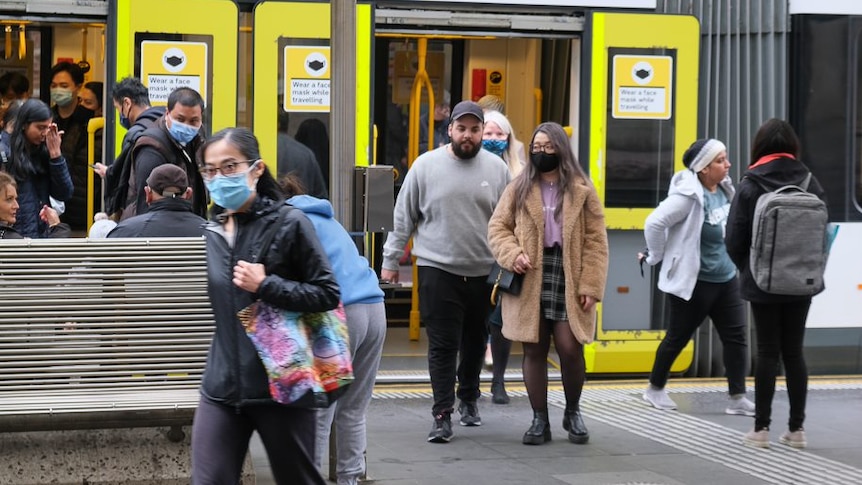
{"x":740,"y":406}
{"x":757,"y":439}
{"x":795,"y":439}
{"x":659,"y":399}
{"x":441,"y":431}
{"x":469,"y":414}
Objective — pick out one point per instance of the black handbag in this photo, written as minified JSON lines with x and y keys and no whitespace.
{"x":505,"y":281}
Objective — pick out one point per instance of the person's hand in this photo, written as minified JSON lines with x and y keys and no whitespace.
{"x":49,"y":216}
{"x":101,"y":169}
{"x":53,"y":140}
{"x":388,"y":276}
{"x":522,"y":264}
{"x":248,"y":276}
{"x":587,"y":303}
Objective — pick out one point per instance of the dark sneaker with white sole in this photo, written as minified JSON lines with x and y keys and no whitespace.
{"x":469,"y":414}
{"x":441,"y":432}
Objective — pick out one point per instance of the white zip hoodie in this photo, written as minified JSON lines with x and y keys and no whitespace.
{"x":672,"y":233}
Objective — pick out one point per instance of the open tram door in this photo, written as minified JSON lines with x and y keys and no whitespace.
{"x":640,"y":93}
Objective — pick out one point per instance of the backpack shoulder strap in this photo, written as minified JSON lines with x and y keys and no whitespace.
{"x":804,"y":184}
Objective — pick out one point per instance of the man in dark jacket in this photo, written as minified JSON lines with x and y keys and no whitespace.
{"x":175,"y":139}
{"x":297,"y":159}
{"x":132,"y":101}
{"x":170,"y":213}
{"x":72,"y":119}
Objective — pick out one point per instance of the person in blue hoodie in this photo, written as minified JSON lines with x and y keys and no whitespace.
{"x":366,"y":322}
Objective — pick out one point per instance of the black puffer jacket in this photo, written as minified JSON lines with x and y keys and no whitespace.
{"x":772,"y":175}
{"x":299,"y":278}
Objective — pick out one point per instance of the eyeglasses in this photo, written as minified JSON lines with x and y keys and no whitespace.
{"x":542,"y":148}
{"x":228,"y":169}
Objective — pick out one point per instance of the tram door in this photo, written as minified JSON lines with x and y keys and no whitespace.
{"x":29,"y":48}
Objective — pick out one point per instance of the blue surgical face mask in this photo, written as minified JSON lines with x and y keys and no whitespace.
{"x":61,"y":96}
{"x":230,"y":191}
{"x":182,"y":132}
{"x":497,"y":147}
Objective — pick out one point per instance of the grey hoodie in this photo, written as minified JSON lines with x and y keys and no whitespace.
{"x":672,"y":233}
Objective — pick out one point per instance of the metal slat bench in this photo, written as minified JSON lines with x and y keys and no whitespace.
{"x":108,"y":333}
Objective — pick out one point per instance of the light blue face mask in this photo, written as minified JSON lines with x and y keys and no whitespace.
{"x":61,"y":96}
{"x":182,"y":132}
{"x":497,"y":147}
{"x":230,"y":191}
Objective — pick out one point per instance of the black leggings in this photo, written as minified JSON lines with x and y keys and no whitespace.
{"x":220,"y":436}
{"x":780,"y":331}
{"x":572,"y":365}
{"x":722,"y":303}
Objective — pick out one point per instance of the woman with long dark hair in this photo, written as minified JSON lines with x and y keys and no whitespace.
{"x":35,"y":162}
{"x":779,"y":320}
{"x":294,"y":275}
{"x":550,"y":227}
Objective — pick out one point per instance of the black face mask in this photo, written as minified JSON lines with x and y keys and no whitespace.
{"x":545,"y":162}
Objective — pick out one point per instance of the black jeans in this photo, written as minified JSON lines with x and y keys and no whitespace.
{"x":454,"y":310}
{"x":220,"y":436}
{"x":780,"y":331}
{"x":722,"y":303}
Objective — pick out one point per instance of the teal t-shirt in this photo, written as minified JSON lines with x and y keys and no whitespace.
{"x":715,"y":264}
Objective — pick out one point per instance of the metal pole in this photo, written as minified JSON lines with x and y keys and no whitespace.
{"x":342,"y":119}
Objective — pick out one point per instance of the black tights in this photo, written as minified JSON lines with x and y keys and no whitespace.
{"x":501,"y":347}
{"x":572,"y":365}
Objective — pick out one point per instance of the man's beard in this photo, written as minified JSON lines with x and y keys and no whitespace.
{"x":464,"y":155}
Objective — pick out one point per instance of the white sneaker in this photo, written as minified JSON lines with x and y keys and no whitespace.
{"x":757,"y":439}
{"x":659,"y":399}
{"x":740,"y":406}
{"x":795,"y":439}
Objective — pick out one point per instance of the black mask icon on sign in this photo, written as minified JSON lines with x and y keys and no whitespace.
{"x":642,"y":73}
{"x":316,"y":65}
{"x":174,"y":60}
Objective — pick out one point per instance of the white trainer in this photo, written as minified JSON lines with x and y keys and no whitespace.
{"x":659,"y":399}
{"x":740,"y":406}
{"x":795,"y":439}
{"x":757,"y":439}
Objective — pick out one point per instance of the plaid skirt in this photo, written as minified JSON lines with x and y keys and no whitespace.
{"x":553,"y":285}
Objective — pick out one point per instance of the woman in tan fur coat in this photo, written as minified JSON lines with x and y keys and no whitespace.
{"x":549,"y":226}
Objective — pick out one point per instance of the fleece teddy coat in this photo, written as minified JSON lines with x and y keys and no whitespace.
{"x":585,"y":257}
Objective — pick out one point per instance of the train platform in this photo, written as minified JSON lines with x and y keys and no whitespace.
{"x":630,"y":442}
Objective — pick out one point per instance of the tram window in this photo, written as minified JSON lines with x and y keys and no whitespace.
{"x":639,"y":157}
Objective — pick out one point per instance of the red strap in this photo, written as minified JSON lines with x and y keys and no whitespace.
{"x":769,"y":158}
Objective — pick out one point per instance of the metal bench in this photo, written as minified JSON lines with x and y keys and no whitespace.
{"x":107,"y":333}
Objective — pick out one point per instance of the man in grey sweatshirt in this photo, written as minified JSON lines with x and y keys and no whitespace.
{"x":445,"y":204}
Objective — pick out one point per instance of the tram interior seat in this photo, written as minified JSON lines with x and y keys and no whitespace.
{"x":106,"y":333}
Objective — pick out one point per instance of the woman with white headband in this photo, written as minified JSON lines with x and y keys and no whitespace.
{"x":686,"y":234}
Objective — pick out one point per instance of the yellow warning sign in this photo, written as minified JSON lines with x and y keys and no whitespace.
{"x":166,"y":66}
{"x":642,"y":87}
{"x":306,"y":78}
{"x":496,"y":83}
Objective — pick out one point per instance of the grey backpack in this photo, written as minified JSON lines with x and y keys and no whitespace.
{"x":788,"y":241}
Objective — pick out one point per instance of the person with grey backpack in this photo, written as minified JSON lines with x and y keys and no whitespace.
{"x":776,"y":236}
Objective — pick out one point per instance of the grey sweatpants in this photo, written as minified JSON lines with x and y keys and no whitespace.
{"x":366,"y":324}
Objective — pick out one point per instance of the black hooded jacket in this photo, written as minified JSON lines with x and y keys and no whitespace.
{"x":299,"y":278}
{"x":772,"y":175}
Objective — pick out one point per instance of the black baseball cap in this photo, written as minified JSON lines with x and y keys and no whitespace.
{"x":467,"y":108}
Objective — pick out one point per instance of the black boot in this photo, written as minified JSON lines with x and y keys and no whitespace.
{"x":573,"y":422}
{"x":498,"y":393}
{"x":540,"y":430}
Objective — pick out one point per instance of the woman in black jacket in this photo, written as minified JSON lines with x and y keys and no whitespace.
{"x":235,"y":398}
{"x":779,"y":320}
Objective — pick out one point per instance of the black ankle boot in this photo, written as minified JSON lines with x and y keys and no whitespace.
{"x":573,"y":422}
{"x":498,"y":393}
{"x":540,"y":430}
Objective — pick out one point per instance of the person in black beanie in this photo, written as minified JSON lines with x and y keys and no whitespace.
{"x":686,"y":233}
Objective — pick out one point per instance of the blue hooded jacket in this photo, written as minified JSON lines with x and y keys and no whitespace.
{"x":358,"y":282}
